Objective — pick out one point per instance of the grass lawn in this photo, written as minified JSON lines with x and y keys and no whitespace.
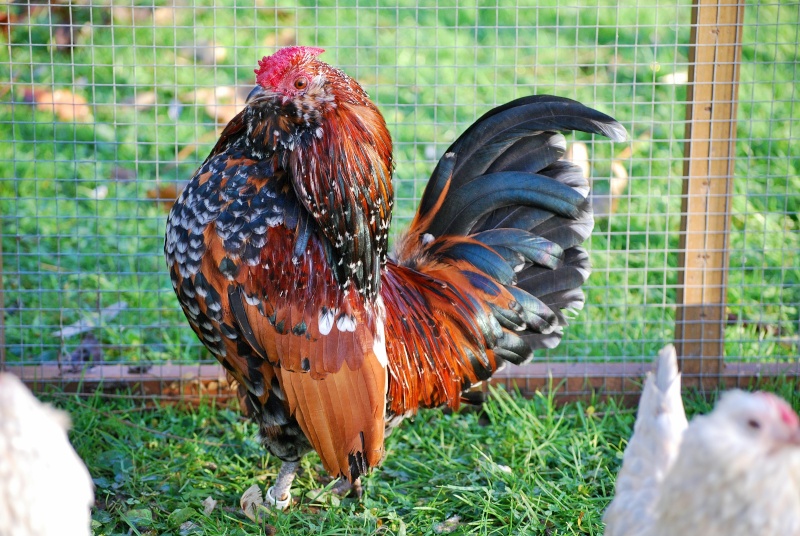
{"x":517,"y":467}
{"x":520,"y":467}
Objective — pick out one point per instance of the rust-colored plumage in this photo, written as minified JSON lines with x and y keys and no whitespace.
{"x":277,"y":250}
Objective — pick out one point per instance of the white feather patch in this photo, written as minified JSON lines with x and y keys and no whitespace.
{"x":379,"y":343}
{"x":326,"y":318}
{"x":346,"y":322}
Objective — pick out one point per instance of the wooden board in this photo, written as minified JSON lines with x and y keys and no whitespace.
{"x":568,"y":382}
{"x":710,"y":150}
{"x":189,"y":383}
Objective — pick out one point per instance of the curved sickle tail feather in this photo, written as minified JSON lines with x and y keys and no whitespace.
{"x":492,"y":265}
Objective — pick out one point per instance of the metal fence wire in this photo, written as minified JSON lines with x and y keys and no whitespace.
{"x":107,"y":108}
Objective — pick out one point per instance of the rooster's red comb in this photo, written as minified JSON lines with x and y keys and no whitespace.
{"x":271,"y":68}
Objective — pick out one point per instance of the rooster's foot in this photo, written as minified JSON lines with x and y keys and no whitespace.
{"x":279,"y":496}
{"x":343,"y":488}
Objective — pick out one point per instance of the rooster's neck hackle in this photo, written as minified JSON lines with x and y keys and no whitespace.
{"x":335,"y":144}
{"x":343,"y":177}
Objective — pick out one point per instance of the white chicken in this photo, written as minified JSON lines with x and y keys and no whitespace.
{"x":45,"y":489}
{"x":729,"y":473}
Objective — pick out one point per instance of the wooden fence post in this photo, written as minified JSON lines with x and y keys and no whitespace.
{"x":709,"y":155}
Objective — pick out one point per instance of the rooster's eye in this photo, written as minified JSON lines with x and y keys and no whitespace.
{"x":301,"y":83}
{"x":754,"y":424}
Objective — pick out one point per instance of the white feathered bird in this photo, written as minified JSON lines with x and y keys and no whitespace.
{"x":45,"y":489}
{"x":732,"y":472}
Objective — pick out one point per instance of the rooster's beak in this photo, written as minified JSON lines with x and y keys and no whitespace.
{"x":254,"y":94}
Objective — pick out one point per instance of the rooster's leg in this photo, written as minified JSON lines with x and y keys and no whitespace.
{"x":279,"y":495}
{"x":343,"y":487}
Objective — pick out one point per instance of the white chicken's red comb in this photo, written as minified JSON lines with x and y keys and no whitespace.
{"x":271,"y":68}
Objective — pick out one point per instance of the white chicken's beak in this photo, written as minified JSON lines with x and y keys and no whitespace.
{"x":785,"y":437}
{"x":794,"y":438}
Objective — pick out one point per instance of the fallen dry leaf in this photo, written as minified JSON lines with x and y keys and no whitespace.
{"x":207,"y":53}
{"x":164,"y":16}
{"x":209,"y":504}
{"x":50,"y":267}
{"x":166,"y":194}
{"x":87,"y":354}
{"x":762,"y":328}
{"x":578,"y":154}
{"x":222,"y":103}
{"x":251,"y":502}
{"x":606,"y":205}
{"x":188,"y":150}
{"x":63,"y":103}
{"x":99,"y":193}
{"x":627,"y":151}
{"x":7,"y":19}
{"x":174,"y":109}
{"x":63,"y":35}
{"x":675,"y":79}
{"x":285,"y":38}
{"x":142,"y":368}
{"x":144,"y":100}
{"x":323,"y":496}
{"x":122,"y":174}
{"x":127,"y":14}
{"x":603,"y":205}
{"x":620,"y":180}
{"x":189,"y":527}
{"x":448,"y":525}
{"x":506,"y":469}
{"x":92,"y":320}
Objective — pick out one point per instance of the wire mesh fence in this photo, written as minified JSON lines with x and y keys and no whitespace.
{"x":107,"y":108}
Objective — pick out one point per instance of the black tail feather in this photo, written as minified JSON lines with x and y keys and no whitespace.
{"x":503,"y":207}
{"x":481,"y":257}
{"x":519,"y":245}
{"x":500,"y":129}
{"x":466,"y":204}
{"x":541,"y":281}
{"x":531,"y":154}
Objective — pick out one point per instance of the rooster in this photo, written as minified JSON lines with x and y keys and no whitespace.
{"x":733,"y":472}
{"x":278,"y":252}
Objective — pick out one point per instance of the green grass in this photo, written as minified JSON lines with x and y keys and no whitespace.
{"x":520,"y":466}
{"x":67,"y":253}
{"x":561,"y":462}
